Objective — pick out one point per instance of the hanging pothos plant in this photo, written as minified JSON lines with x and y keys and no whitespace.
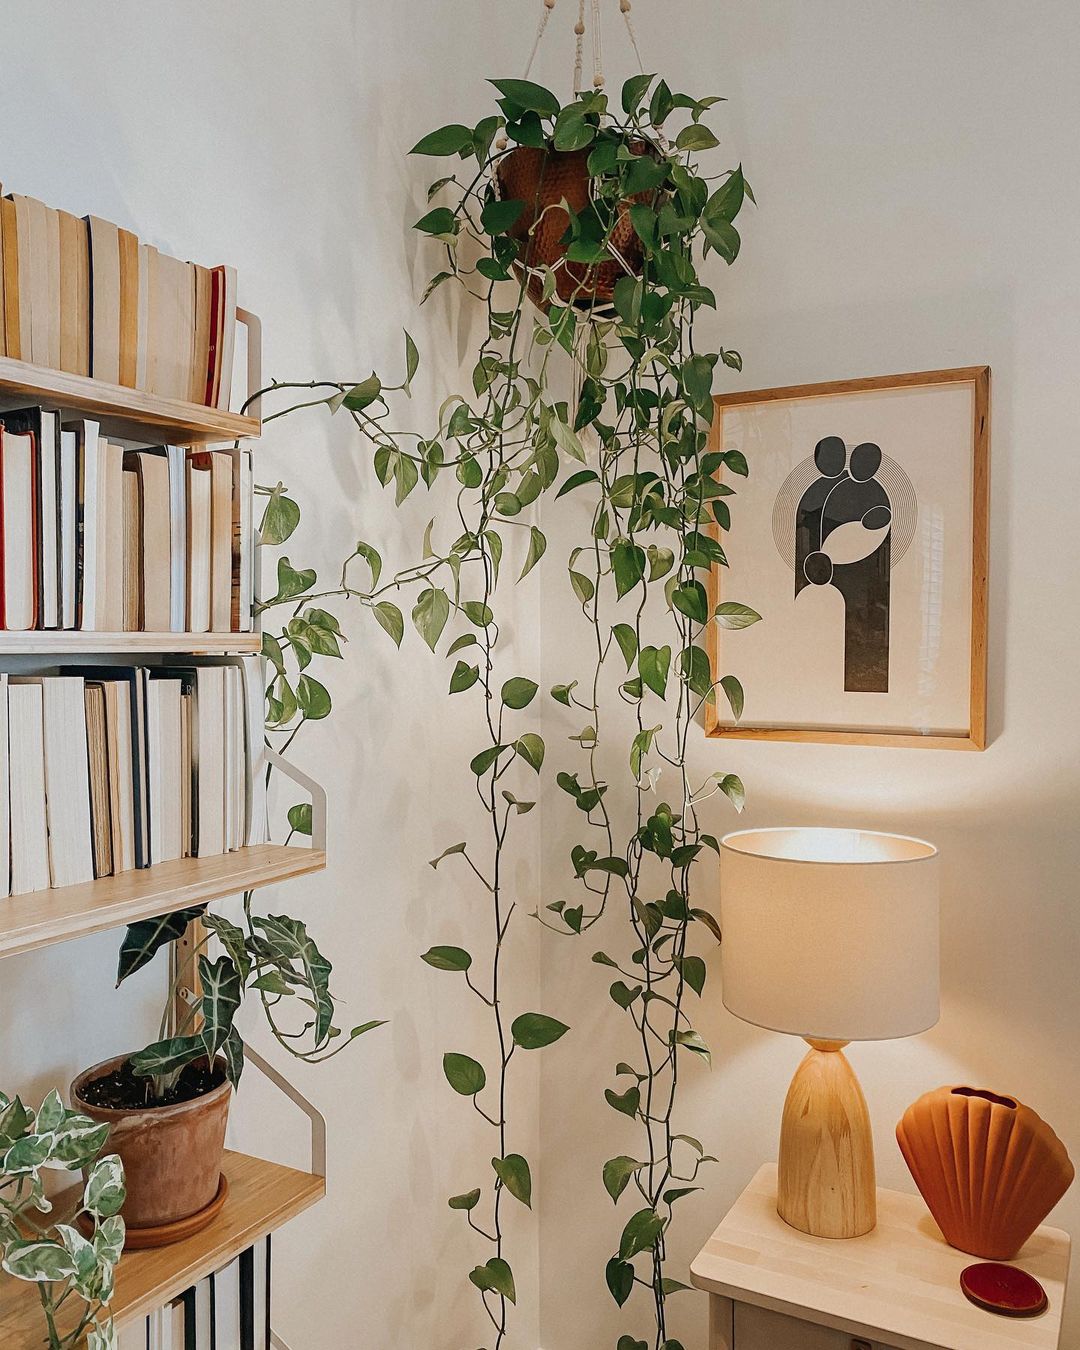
{"x":580,"y":230}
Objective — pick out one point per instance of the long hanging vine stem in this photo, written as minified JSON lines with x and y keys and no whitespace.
{"x":659,"y":494}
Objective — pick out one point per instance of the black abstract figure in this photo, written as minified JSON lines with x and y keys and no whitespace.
{"x":847,"y":492}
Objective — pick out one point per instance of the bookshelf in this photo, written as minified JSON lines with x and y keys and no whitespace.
{"x":262,"y":1197}
{"x":125,"y":413}
{"x":42,"y":918}
{"x":63,"y":643}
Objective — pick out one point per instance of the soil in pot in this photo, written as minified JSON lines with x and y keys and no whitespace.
{"x":171,"y":1150}
{"x":123,"y":1090}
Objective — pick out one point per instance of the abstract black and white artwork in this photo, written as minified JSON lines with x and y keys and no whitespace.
{"x":845,"y":517}
{"x":859,"y":536}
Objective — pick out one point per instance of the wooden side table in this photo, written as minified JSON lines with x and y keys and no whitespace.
{"x":898,"y":1288}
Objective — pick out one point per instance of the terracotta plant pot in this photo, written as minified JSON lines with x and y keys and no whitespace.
{"x":542,"y":178}
{"x":989,"y":1168}
{"x":171,"y":1154}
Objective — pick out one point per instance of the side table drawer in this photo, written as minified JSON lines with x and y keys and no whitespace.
{"x":760,"y":1329}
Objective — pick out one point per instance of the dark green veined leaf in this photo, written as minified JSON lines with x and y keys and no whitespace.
{"x":464,"y":1074}
{"x":529,"y":96}
{"x":233,"y":1051}
{"x":228,"y":933}
{"x":532,"y":1031}
{"x":730,"y":614}
{"x":287,"y":941}
{"x":495,"y":1275}
{"x":519,"y":692}
{"x":222,"y":990}
{"x":640,"y":1234}
{"x":617,"y":1172}
{"x":144,"y":939}
{"x":467,"y":1201}
{"x":163,"y":1057}
{"x":448,"y":958}
{"x":449,"y":140}
{"x":390,"y":619}
{"x":478,"y":613}
{"x":513,"y":1172}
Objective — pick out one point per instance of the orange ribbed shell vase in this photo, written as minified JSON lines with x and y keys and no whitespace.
{"x":989,"y":1168}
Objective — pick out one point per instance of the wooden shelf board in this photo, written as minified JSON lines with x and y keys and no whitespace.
{"x":262,"y":1197}
{"x":62,"y":642}
{"x":39,"y":918}
{"x":127,"y":413}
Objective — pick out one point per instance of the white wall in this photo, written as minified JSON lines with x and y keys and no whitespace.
{"x":914,"y":165}
{"x":273,"y":135}
{"x":914,"y":168}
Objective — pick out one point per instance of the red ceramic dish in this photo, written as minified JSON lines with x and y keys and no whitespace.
{"x":1004,"y":1290}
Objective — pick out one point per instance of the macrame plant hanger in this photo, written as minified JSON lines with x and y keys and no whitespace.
{"x":595,"y":32}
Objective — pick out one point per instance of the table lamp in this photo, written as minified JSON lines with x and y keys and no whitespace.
{"x":831,"y":935}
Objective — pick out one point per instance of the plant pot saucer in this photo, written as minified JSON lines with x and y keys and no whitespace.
{"x":163,"y":1234}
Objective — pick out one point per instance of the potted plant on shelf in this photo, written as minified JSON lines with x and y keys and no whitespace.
{"x":579,"y":229}
{"x":71,"y":1267}
{"x":166,"y":1106}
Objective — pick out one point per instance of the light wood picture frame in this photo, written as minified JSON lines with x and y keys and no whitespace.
{"x":889,"y":645}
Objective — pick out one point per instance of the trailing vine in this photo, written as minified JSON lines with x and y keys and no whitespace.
{"x":636,"y":440}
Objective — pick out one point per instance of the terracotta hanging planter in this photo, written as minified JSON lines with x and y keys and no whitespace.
{"x":543,"y":178}
{"x":989,"y":1168}
{"x":171,"y":1154}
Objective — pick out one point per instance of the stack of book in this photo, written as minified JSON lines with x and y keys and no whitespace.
{"x":86,"y":297}
{"x":229,"y":1310}
{"x":105,"y":769}
{"x":104,"y":539}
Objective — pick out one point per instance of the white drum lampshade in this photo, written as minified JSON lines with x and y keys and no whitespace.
{"x":832,"y":935}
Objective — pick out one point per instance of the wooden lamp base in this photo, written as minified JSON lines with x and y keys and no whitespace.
{"x":827,"y":1185}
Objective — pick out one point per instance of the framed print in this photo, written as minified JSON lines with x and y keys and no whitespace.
{"x":860,"y":537}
